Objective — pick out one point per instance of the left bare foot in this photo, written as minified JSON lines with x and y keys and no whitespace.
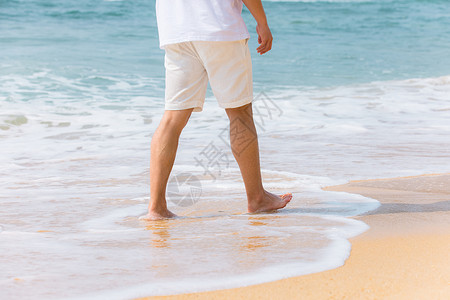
{"x":269,"y":202}
{"x":153,"y":215}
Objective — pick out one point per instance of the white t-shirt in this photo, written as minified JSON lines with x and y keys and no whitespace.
{"x":199,"y":20}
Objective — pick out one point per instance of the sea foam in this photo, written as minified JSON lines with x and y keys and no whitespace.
{"x":71,"y":202}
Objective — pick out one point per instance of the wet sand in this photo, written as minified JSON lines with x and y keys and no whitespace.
{"x":404,"y":255}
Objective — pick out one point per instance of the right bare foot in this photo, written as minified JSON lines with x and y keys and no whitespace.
{"x":153,"y":215}
{"x":269,"y":202}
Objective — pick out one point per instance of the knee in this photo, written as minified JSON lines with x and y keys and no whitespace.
{"x":175,"y":120}
{"x":241,"y":111}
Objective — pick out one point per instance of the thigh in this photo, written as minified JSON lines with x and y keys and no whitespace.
{"x":229,"y":69}
{"x":186,"y":78}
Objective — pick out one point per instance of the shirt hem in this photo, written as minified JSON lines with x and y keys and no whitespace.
{"x":211,"y":38}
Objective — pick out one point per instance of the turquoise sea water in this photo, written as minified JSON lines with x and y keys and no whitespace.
{"x":317,"y":43}
{"x":351,"y":90}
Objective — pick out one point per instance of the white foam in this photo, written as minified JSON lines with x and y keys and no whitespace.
{"x":327,"y":258}
{"x":77,"y":175}
{"x":288,"y":237}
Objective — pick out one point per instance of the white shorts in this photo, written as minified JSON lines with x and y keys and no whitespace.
{"x":189,"y":65}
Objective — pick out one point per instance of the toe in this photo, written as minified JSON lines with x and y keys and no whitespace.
{"x":286,"y":197}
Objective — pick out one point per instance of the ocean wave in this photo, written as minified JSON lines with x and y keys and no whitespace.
{"x":310,"y":236}
{"x":75,"y":170}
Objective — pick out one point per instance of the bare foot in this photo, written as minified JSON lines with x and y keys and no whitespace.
{"x":153,"y":215}
{"x":269,"y":202}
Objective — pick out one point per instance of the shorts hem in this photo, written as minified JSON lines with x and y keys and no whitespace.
{"x":197,"y":107}
{"x":237,"y":103}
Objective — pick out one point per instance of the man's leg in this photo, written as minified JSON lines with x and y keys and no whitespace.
{"x":163,"y":151}
{"x":244,"y":145}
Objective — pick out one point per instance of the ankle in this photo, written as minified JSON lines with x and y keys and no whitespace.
{"x":157,"y":208}
{"x":256,"y":198}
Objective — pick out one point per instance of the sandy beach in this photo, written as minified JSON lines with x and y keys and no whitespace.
{"x":404,"y":255}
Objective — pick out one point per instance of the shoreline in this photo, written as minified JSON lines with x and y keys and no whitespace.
{"x":405,"y":254}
